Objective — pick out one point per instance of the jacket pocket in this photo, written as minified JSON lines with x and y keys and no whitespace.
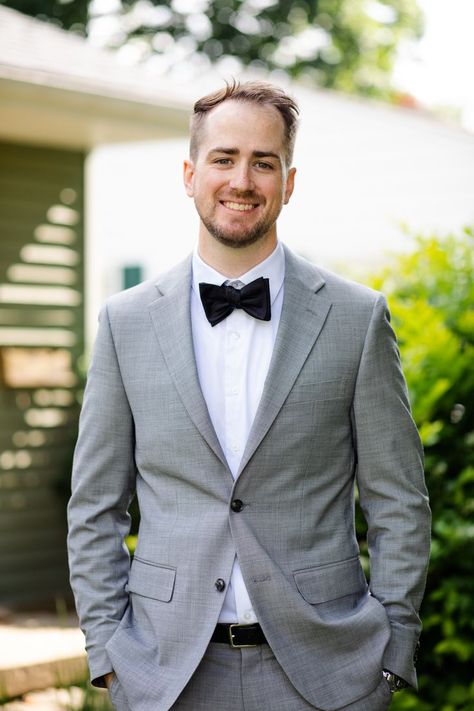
{"x":317,"y":391}
{"x":332,"y":581}
{"x":151,"y":580}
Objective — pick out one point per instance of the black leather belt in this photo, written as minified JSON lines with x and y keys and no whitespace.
{"x":239,"y":636}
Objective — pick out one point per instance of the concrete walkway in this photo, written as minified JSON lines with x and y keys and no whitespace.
{"x":71,"y":699}
{"x":38,"y":652}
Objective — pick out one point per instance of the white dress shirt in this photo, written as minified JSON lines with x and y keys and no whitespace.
{"x":232,"y":361}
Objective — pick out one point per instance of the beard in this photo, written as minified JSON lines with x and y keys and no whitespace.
{"x":239,"y":239}
{"x":243,"y":239}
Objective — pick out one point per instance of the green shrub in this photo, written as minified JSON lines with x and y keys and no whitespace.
{"x":431,"y":297}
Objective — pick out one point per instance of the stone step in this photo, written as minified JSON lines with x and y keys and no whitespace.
{"x":38,"y":652}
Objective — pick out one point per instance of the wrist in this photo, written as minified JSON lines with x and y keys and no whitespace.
{"x":108,"y":678}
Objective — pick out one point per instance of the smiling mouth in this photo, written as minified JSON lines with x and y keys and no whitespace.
{"x":239,"y":206}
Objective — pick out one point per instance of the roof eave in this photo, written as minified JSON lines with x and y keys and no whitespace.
{"x":36,"y":112}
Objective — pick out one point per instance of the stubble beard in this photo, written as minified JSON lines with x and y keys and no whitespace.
{"x":238,"y":240}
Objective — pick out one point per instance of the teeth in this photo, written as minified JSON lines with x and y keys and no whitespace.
{"x":243,"y":207}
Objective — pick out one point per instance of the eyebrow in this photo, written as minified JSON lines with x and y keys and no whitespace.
{"x":235,"y":151}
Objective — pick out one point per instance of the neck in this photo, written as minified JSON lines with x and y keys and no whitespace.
{"x":233,"y":262}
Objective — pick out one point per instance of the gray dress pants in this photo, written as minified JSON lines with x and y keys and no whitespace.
{"x":247,"y":680}
{"x":252,"y":680}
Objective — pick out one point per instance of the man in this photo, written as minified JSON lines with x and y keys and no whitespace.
{"x":242,"y":395}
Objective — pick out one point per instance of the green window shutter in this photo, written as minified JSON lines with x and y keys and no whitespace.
{"x":41,"y":346}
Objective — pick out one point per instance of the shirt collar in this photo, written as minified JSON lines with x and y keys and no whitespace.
{"x":273,"y":268}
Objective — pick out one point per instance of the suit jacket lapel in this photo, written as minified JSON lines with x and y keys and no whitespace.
{"x":302,"y":318}
{"x":171,"y":317}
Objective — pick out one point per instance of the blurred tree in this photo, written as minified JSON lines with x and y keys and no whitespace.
{"x":69,"y":14}
{"x":344,"y":44}
{"x":431,"y":296}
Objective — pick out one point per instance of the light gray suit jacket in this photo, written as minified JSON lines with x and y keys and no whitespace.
{"x":334,"y":411}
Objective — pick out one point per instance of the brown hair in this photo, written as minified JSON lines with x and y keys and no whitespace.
{"x":257,"y":92}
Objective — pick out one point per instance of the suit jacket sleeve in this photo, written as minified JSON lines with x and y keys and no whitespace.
{"x":392,"y":490}
{"x":103,"y":483}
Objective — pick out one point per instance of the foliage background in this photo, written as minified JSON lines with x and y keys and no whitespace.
{"x":348,"y":45}
{"x":431,"y":296}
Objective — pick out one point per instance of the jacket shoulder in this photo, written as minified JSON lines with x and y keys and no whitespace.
{"x":137,"y":298}
{"x":339,"y":288}
{"x":333,"y":286}
{"x":131,"y":299}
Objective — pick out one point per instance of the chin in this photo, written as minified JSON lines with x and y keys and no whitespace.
{"x":237,"y":239}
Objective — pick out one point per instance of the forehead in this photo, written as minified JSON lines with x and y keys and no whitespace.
{"x":244,"y":125}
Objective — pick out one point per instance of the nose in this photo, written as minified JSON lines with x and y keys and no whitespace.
{"x":241,"y":179}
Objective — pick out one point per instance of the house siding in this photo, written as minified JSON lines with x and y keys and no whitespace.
{"x":41,"y":350}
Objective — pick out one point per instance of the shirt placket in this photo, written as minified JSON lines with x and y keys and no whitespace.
{"x":236,"y":425}
{"x":235,"y":350}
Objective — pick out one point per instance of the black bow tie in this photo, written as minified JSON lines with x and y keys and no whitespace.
{"x":220,"y":301}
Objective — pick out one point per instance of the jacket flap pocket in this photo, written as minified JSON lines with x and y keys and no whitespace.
{"x":332,"y":581}
{"x":151,"y":580}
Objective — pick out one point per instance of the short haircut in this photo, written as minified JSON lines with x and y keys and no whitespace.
{"x":257,"y":92}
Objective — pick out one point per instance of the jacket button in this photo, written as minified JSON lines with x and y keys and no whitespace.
{"x":237,"y":505}
{"x":220,"y":584}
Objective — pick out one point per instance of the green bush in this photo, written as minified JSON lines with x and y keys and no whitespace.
{"x":431,"y":297}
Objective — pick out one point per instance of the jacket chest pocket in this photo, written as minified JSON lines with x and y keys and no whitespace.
{"x":319,"y":391}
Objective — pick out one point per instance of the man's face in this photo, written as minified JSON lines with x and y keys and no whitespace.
{"x":239,"y":180}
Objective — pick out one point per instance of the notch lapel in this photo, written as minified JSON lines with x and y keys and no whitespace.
{"x":302,"y":318}
{"x":171,"y":317}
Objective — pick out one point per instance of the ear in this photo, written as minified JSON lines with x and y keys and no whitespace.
{"x":289,"y":185}
{"x":188,"y":177}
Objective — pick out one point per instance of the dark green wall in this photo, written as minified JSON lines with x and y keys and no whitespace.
{"x":41,"y":345}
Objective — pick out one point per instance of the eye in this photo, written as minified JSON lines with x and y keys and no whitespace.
{"x":263,"y":165}
{"x":222,"y":161}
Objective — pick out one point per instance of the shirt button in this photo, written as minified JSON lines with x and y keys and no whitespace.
{"x":235,"y":447}
{"x":237,"y":505}
{"x":235,"y":390}
{"x":234,"y":335}
{"x":220,"y":585}
{"x":248,"y":616}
